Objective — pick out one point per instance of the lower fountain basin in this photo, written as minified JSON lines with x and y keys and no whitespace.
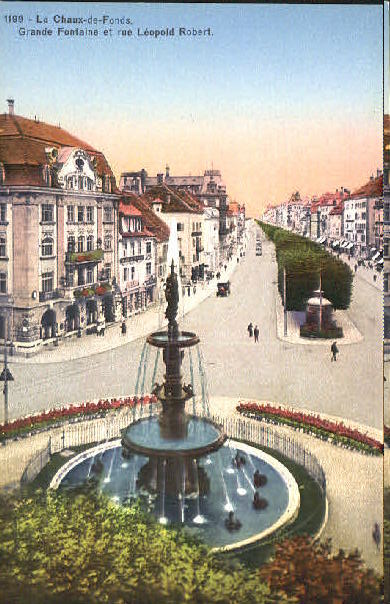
{"x":146,"y":437}
{"x":222,"y":487}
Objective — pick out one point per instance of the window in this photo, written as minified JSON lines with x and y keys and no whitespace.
{"x":70,"y":213}
{"x":80,"y":276}
{"x":89,"y":184}
{"x":3,"y":283}
{"x":180,"y":226}
{"x":89,"y":243}
{"x":89,"y":213}
{"x":3,"y":247}
{"x":90,"y":275}
{"x":139,"y":247}
{"x":107,"y":216}
{"x":125,"y":274}
{"x":80,"y":244}
{"x":47,"y":213}
{"x":132,"y":273}
{"x":71,"y":244}
{"x":386,"y":282}
{"x":107,"y":242}
{"x":148,"y":247}
{"x":47,"y":282}
{"x":80,"y":213}
{"x":132,"y":248}
{"x":107,"y":268}
{"x":47,"y":246}
{"x":3,"y":212}
{"x":148,"y":268}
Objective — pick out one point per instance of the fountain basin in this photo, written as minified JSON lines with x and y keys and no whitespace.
{"x":146,"y":436}
{"x":185,"y":339}
{"x":204,"y":512}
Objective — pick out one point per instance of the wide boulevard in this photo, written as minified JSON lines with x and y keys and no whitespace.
{"x":278,"y":371}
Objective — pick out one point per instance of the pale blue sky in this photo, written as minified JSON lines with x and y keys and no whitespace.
{"x":282,"y":64}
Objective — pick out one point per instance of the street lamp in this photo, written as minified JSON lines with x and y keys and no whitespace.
{"x":6,"y":376}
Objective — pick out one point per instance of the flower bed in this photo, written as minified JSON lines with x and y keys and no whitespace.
{"x":337,"y":433}
{"x":311,"y":331}
{"x":48,"y":419}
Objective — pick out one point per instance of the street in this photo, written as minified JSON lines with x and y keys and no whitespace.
{"x":298,"y":375}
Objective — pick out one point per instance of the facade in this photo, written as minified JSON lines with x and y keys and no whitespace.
{"x":160,"y":232}
{"x":386,"y":232}
{"x":211,"y":239}
{"x":187,"y":212}
{"x":137,"y":260}
{"x":359,"y":224}
{"x":58,"y":234}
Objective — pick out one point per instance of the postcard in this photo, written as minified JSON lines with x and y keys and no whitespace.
{"x":194,"y":336}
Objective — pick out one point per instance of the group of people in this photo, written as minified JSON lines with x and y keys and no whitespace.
{"x":253,"y":331}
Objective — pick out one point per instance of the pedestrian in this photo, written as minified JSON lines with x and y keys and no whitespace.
{"x":256,"y":333}
{"x":374,"y":277}
{"x":356,"y":267}
{"x":124,"y":328}
{"x":189,"y":291}
{"x":334,"y":350}
{"x":376,"y":535}
{"x":250,"y":330}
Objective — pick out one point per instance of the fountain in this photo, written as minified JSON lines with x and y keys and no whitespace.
{"x":182,"y":463}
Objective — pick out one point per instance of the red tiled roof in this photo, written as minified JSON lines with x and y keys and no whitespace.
{"x":173,"y":201}
{"x":152,"y":222}
{"x":373,"y":188}
{"x":336,"y":211}
{"x":23,"y":143}
{"x":144,"y":233}
{"x":129,"y":210}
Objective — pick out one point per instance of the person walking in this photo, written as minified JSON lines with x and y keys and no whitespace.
{"x":376,"y":535}
{"x":334,"y":350}
{"x":256,"y":333}
{"x":250,"y":330}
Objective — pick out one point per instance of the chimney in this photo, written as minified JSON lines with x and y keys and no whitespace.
{"x":378,"y":173}
{"x":372,"y":177}
{"x":169,"y":198}
{"x":11,"y":103}
{"x":167,"y":171}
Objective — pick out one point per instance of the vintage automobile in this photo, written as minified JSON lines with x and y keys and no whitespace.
{"x":223,"y":289}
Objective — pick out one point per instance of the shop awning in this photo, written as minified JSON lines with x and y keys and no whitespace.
{"x":380,"y":261}
{"x":344,"y":244}
{"x":349,"y":245}
{"x":375,"y":256}
{"x":322,"y":240}
{"x":335,"y":243}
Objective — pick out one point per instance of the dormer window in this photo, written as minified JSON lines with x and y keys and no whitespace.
{"x":79,"y":163}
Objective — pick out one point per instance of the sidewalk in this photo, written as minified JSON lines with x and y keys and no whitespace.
{"x":363,"y":272}
{"x":138,"y":326}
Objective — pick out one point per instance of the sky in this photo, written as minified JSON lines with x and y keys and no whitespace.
{"x":279,"y":97}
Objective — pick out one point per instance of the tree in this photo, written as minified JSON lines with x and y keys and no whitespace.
{"x":315,"y":576}
{"x":85,"y":549}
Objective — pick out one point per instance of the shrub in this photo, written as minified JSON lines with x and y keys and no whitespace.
{"x":303,"y":261}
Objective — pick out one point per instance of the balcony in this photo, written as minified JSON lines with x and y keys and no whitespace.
{"x":84,"y":257}
{"x":151,"y":280}
{"x":196,"y":233}
{"x":132,"y":259}
{"x":53,"y":295}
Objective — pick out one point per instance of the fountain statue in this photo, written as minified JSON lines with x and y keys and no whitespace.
{"x":175,"y":440}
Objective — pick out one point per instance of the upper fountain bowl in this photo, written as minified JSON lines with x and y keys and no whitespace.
{"x":184,"y":339}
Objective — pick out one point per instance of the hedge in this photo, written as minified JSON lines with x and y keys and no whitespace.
{"x":304,"y":260}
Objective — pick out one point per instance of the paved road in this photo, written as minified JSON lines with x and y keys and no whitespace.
{"x":301,"y":376}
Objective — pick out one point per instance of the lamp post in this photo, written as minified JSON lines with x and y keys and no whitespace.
{"x":285,"y":300}
{"x":6,"y":376}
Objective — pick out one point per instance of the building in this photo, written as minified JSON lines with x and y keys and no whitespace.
{"x":386,"y":231}
{"x":187,"y":212}
{"x":137,"y":255}
{"x":359,"y":215}
{"x":211,"y":239}
{"x":58,"y":234}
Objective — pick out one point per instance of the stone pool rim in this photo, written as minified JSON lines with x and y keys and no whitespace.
{"x":287,"y":517}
